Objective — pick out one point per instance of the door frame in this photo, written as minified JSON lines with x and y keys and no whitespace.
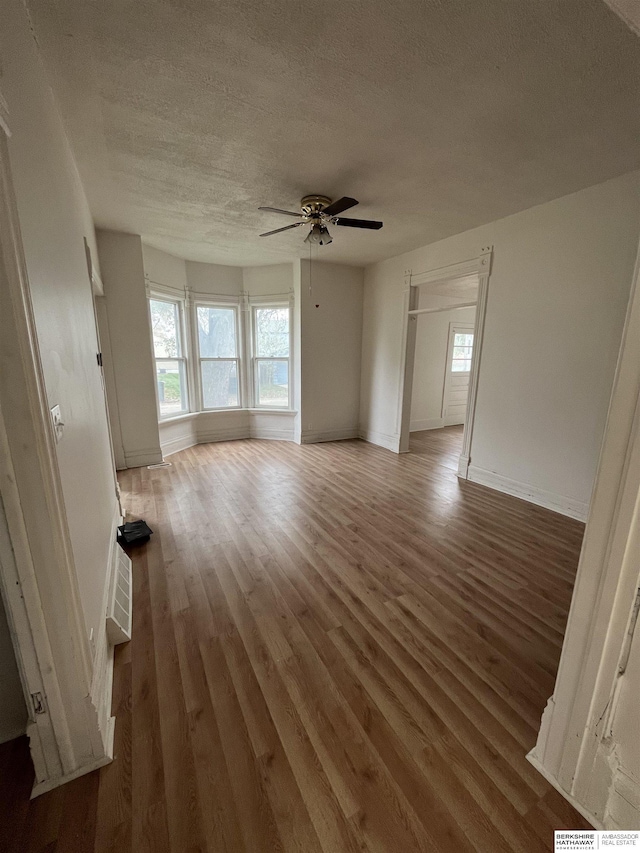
{"x":479,"y":267}
{"x":37,"y":570}
{"x":574,"y":750}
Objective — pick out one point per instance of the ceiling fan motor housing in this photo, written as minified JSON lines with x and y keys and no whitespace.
{"x":313,"y":205}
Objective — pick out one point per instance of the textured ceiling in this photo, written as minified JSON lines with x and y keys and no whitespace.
{"x":439,"y":116}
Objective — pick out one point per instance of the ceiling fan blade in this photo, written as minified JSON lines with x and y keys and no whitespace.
{"x":338,"y":206}
{"x":359,"y":223}
{"x":277,"y":210}
{"x":278,"y":230}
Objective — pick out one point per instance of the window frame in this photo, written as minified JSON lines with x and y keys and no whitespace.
{"x":239,"y":360}
{"x":460,"y":330}
{"x":182,"y":358}
{"x":256,"y":359}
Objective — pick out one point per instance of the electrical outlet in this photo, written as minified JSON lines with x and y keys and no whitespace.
{"x":57,"y":422}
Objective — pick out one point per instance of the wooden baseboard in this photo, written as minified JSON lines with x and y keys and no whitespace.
{"x":550,"y":500}
{"x":224,"y":434}
{"x":434,"y":423}
{"x":140,"y":458}
{"x":329,"y":435}
{"x":390,"y":442}
{"x":463,"y":467}
{"x":50,"y":784}
{"x":532,"y":759}
{"x":272,"y":433}
{"x":181,"y":442}
{"x":426,"y":423}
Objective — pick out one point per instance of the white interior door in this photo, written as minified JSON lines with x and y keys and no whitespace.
{"x":458,"y":373}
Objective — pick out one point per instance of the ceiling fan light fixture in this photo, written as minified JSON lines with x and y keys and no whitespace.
{"x":318,"y":211}
{"x":319,"y":234}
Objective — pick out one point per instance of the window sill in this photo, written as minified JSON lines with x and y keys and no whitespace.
{"x":265,"y":411}
{"x":187,"y":416}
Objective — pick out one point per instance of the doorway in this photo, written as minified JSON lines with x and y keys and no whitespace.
{"x":444,"y":332}
{"x":443,"y":329}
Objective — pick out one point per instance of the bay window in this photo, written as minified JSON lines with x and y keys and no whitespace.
{"x":170,"y":357}
{"x":271,"y":361}
{"x":217,"y":337}
{"x":237,"y":358}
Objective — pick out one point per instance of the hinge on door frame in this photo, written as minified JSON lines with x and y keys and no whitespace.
{"x":37,"y":700}
{"x":99,"y":359}
{"x":626,"y":648}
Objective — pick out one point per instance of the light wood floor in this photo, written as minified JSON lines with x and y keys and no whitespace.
{"x":334,"y":649}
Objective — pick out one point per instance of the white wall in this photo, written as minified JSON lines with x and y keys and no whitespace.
{"x":331,"y":341}
{"x":54,"y":220}
{"x":125,"y":296}
{"x":163,"y":268}
{"x":263,"y":281}
{"x":430,"y":366}
{"x":214,"y":278}
{"x":557,"y":295}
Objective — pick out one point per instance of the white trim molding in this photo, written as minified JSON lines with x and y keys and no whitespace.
{"x":316,"y":437}
{"x":226,"y":425}
{"x":65,"y":731}
{"x":382,"y":439}
{"x":580,"y":746}
{"x":484,"y":271}
{"x":478,"y":269}
{"x":550,"y":500}
{"x":461,"y":270}
{"x":434,"y":423}
{"x":180,"y":442}
{"x":4,"y":117}
{"x":592,"y":819}
{"x":145,"y":456}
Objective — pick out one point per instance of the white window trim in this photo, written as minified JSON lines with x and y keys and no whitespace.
{"x":159,"y":296}
{"x":243,"y":307}
{"x":239,"y":360}
{"x":253,"y":391}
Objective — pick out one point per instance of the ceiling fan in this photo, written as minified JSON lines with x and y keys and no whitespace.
{"x":318,"y":211}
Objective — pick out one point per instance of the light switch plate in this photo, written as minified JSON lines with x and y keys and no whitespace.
{"x":58,"y":423}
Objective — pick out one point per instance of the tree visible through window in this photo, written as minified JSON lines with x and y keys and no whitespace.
{"x":462,"y":349}
{"x":218,"y":350}
{"x":169,"y":357}
{"x":272,"y":356}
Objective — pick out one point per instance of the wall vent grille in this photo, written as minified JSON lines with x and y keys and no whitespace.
{"x":119,"y":614}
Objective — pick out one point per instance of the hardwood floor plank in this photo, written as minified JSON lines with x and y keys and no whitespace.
{"x":335,"y":650}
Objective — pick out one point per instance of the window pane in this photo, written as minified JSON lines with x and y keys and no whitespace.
{"x":217,"y":332}
{"x":172,"y":396}
{"x":462,"y":349}
{"x":273,"y":383}
{"x":164,"y":326}
{"x":219,"y":384}
{"x":463,"y":340}
{"x":462,"y":352}
{"x":272,"y":332}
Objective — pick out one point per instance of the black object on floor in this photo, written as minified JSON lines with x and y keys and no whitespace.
{"x":134,"y":533}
